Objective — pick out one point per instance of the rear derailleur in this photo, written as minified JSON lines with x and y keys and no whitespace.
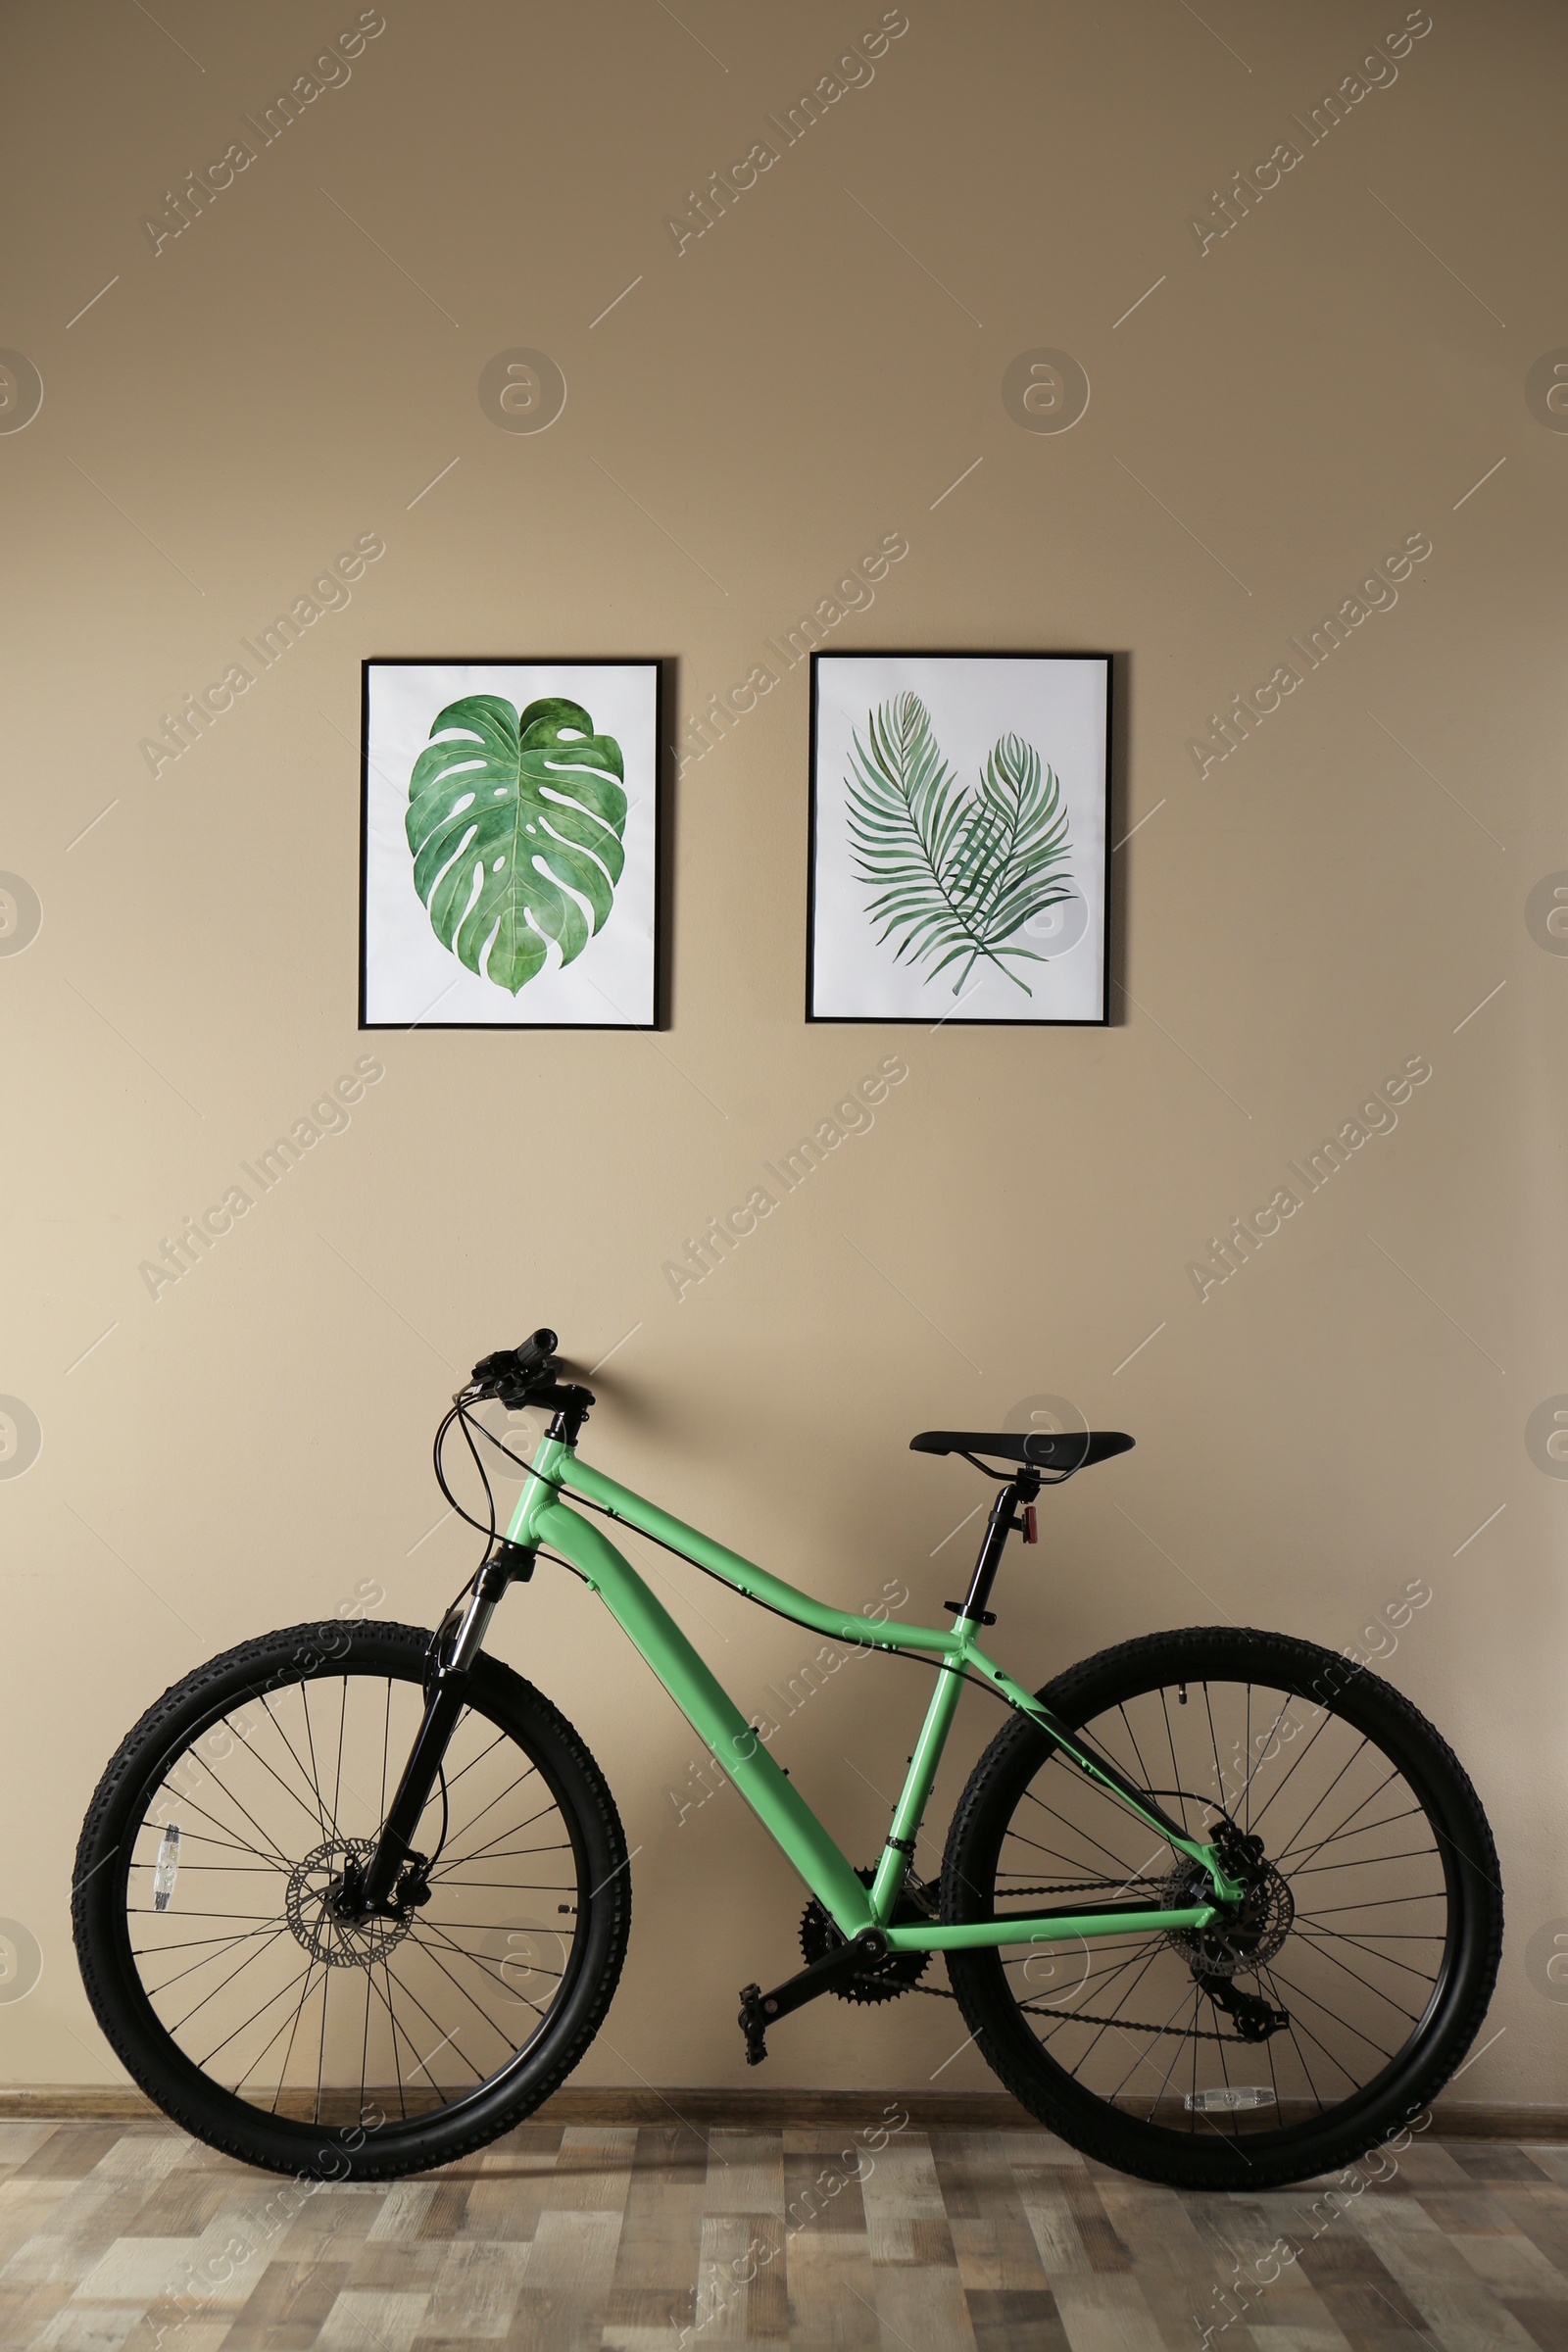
{"x":1244,"y":1940}
{"x":1254,"y":2018}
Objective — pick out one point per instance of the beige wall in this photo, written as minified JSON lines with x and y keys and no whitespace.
{"x":1337,"y":896}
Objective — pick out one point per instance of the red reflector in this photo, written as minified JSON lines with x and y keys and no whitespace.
{"x":1030,"y":1532}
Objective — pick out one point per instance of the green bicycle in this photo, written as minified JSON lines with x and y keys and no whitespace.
{"x":354,"y":1898}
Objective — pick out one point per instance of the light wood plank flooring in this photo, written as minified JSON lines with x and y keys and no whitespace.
{"x":123,"y":2236}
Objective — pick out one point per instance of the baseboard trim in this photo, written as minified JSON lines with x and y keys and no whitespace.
{"x":749,"y":2108}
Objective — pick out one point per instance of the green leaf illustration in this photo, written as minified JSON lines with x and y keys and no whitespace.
{"x":502,"y":812}
{"x":956,"y":874}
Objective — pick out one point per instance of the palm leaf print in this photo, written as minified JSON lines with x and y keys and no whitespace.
{"x":955,"y":873}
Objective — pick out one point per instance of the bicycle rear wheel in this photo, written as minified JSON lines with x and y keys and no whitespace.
{"x":1317,"y":2023}
{"x":291,"y":2038}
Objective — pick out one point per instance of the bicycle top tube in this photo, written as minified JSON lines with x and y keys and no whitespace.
{"x":557,"y":1464}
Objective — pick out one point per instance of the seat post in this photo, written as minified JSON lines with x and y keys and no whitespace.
{"x":999,"y":1526}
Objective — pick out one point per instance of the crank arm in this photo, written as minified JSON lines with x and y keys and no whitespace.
{"x":839,"y":1966}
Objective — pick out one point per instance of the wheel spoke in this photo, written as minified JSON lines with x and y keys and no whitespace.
{"x":291,"y":2027}
{"x":1316,"y":1935}
{"x":190,"y":1805}
{"x":321,"y":2061}
{"x":1213,"y":1742}
{"x":428,"y":1945}
{"x":328,"y":1828}
{"x":221,"y":1785}
{"x":1247,"y":1750}
{"x":1411,"y":2015}
{"x":342,"y":1723}
{"x":515,"y":1831}
{"x":1104,"y":2030}
{"x":473,"y":1760}
{"x":1376,"y":1902}
{"x":313,"y":1811}
{"x":1180,"y":2002}
{"x":1138,"y":1753}
{"x":1255,"y":1763}
{"x":1088,"y":1836}
{"x":1176,"y":2059}
{"x":1314,"y":2038}
{"x":204,"y":2062}
{"x":445,"y":2040}
{"x":1300,"y":2054}
{"x":1419,"y":1853}
{"x":509,"y":1853}
{"x":1371,"y":1798}
{"x":1170,"y":1743}
{"x":1296,"y":1762}
{"x":1302,"y":1995}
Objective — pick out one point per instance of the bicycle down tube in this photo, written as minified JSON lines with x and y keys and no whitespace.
{"x":542,"y":1516}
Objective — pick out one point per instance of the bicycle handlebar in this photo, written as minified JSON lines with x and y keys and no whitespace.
{"x":531,"y":1375}
{"x":533,"y":1362}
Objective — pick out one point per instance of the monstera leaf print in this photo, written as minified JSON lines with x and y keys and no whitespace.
{"x":955,"y":873}
{"x":514,"y":820}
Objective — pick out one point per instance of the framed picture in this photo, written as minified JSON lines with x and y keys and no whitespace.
{"x":510,"y":844}
{"x":959,"y":850}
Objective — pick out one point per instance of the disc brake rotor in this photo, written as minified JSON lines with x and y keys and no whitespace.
{"x":1244,"y":1939}
{"x":334,"y":1941}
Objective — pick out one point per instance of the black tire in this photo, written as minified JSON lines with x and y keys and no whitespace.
{"x":291,"y":1736}
{"x":1401,"y":1920}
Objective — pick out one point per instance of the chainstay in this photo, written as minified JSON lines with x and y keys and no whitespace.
{"x":1081,"y":2016}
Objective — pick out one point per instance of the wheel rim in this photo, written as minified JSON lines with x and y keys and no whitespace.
{"x":1351,"y":1932}
{"x":245,"y":1972}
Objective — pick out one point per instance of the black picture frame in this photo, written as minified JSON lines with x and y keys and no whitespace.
{"x":1105,"y":1018}
{"x":657,"y":664}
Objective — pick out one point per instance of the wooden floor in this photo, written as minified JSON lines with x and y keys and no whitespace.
{"x":117,"y":2235}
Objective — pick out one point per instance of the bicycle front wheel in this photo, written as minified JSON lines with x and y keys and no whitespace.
{"x":1287,"y":2040}
{"x":289,"y":2038}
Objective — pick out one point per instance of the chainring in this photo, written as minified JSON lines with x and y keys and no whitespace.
{"x":881,"y":1980}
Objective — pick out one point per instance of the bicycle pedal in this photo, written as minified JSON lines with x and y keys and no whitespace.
{"x":752,"y":2024}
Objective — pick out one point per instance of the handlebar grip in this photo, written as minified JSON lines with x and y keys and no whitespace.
{"x":537,"y":1349}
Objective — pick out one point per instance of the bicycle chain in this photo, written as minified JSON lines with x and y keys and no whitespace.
{"x":1085,"y":2017}
{"x":1080,"y":2017}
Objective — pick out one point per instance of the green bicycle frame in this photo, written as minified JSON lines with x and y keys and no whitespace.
{"x":542,"y":1516}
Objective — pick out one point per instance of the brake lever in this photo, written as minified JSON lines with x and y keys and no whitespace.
{"x":503,"y":1375}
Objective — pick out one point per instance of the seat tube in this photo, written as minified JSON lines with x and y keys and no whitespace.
{"x":899,"y":1850}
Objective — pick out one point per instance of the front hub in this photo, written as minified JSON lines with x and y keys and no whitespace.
{"x":323,"y":1910}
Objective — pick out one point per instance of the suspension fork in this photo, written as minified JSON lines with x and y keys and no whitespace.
{"x":446,"y":1695}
